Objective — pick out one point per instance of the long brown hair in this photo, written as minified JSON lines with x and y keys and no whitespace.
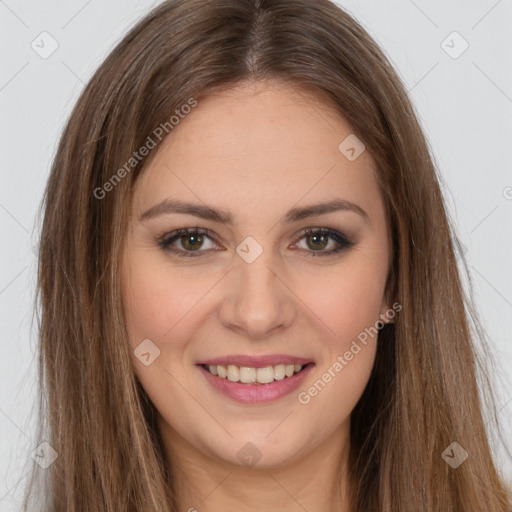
{"x":423,"y":394}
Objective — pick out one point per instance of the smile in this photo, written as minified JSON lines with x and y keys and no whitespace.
{"x":252,"y":385}
{"x":248,"y":375}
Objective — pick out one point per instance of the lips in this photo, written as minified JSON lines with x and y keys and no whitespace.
{"x":253,"y":379}
{"x":256,"y":393}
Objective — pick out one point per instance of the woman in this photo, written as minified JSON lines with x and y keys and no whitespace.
{"x":249,"y":293}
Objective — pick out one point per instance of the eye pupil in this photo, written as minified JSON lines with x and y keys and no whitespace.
{"x":196,"y":239}
{"x":317,"y":238}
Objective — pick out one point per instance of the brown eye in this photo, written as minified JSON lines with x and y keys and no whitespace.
{"x":318,"y":241}
{"x":324,"y":241}
{"x":187,"y":242}
{"x":192,"y":242}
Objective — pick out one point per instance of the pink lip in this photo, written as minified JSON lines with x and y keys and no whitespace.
{"x":256,"y":393}
{"x":256,"y":361}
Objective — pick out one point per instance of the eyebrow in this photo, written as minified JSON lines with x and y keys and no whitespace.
{"x":168,"y":206}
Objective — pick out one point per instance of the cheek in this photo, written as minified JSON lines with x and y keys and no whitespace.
{"x":336,"y":389}
{"x":349,"y":302}
{"x":349,"y":305}
{"x":345,"y":300}
{"x":161,"y":303}
{"x":165,"y":303}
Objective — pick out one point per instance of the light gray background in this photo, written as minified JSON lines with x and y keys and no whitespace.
{"x":464,"y":104}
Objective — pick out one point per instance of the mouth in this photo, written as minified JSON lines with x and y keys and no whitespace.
{"x":255,"y":376}
{"x":253,"y":380}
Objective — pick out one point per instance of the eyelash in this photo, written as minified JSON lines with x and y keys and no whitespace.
{"x":341,"y":239}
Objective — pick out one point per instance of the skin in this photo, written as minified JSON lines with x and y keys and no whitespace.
{"x":257,"y":151}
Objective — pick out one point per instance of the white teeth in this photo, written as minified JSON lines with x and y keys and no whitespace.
{"x":279,"y":373}
{"x":248,"y":375}
{"x":265,"y":375}
{"x":233,"y":373}
{"x":221,"y":370}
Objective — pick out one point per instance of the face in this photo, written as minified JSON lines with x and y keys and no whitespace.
{"x":267,"y":286}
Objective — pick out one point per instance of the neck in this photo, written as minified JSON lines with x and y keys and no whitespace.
{"x":315,"y":481}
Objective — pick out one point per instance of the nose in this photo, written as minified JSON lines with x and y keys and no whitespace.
{"x":258,"y":302}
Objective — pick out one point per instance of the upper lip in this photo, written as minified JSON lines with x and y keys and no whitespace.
{"x":255,"y":361}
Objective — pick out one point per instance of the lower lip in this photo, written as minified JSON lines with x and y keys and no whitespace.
{"x":257,"y":393}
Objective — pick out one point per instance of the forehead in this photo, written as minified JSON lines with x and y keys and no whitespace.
{"x":258,"y":144}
